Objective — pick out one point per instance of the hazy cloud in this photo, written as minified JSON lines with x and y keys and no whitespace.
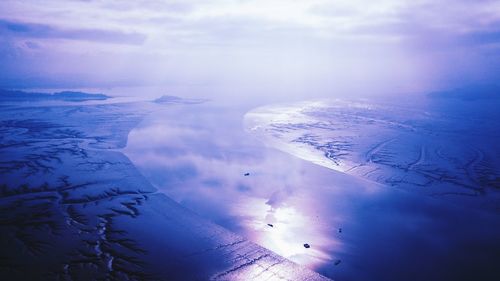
{"x":34,"y":30}
{"x":290,"y":47}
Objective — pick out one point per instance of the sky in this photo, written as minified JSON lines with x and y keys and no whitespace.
{"x":251,"y":47}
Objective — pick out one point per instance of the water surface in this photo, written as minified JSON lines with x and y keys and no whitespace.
{"x":201,"y":156}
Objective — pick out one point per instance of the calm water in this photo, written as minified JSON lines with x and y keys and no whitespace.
{"x":200,"y":155}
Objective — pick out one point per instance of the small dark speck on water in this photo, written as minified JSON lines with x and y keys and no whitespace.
{"x":270,"y":224}
{"x":337,"y":262}
{"x":340,"y":230}
{"x":307,"y":246}
{"x":246,"y":174}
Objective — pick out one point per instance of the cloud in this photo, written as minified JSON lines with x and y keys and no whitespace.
{"x":35,"y":30}
{"x":302,"y":47}
{"x":32,"y":45}
{"x":482,"y":37}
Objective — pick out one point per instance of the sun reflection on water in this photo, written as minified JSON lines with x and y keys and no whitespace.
{"x":259,"y":193}
{"x":285,"y":229}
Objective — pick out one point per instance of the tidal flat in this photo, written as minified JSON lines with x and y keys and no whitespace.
{"x":190,"y":189}
{"x":73,"y":207}
{"x":268,"y":174}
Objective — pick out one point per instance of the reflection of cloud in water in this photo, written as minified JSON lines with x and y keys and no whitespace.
{"x":204,"y":171}
{"x":284,"y":230}
{"x":279,"y":196}
{"x":199,"y":157}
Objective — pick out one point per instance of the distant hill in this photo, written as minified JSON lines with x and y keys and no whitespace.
{"x":470,"y":93}
{"x":174,"y":99}
{"x":16,"y":95}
